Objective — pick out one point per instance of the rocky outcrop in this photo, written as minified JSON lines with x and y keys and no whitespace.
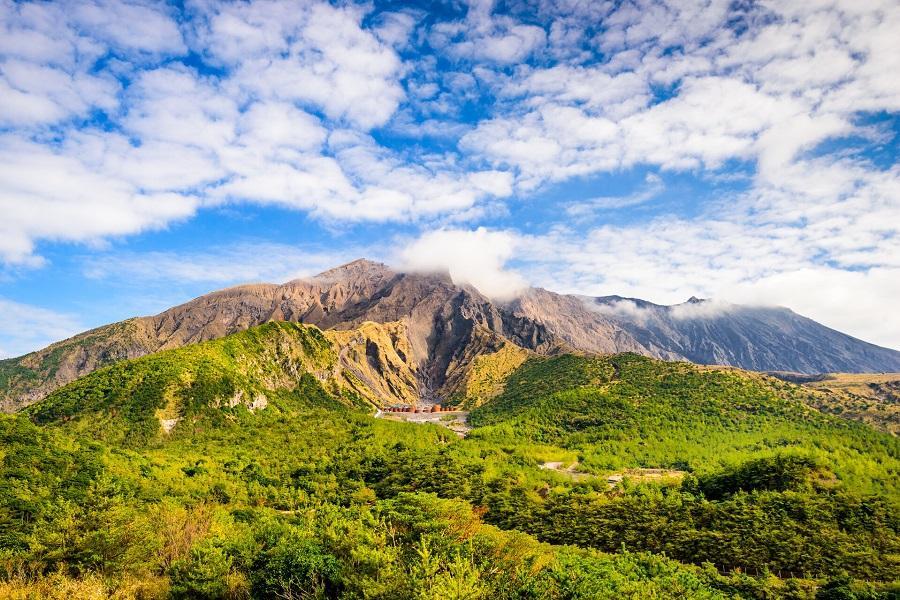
{"x":375,"y":361}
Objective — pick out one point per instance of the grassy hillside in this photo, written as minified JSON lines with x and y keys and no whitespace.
{"x":631,"y":411}
{"x":25,"y":379}
{"x":487,"y":375}
{"x":310,"y":498}
{"x":276,"y":367}
{"x":872,"y":398}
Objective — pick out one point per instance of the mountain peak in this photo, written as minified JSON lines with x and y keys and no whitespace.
{"x":355,"y":268}
{"x":445,"y":325}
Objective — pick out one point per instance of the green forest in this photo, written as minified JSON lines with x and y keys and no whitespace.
{"x":584,"y":477}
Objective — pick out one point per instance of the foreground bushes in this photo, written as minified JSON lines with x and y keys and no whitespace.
{"x":312,"y":499}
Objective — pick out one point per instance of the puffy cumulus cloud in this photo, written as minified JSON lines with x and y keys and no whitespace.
{"x":175,"y":104}
{"x":396,"y":28}
{"x":311,"y":53}
{"x":81,"y":183}
{"x":484,"y":36}
{"x":24,"y":327}
{"x":711,"y":121}
{"x":695,"y":85}
{"x":130,"y":26}
{"x":37,"y":94}
{"x":273,"y":125}
{"x":358,"y":180}
{"x":51,"y":194}
{"x":45,"y":71}
{"x":476,"y":257}
{"x":114,"y":127}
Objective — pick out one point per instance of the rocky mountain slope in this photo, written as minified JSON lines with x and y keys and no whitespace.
{"x":446,"y":326}
{"x":278,"y":366}
{"x":750,"y":337}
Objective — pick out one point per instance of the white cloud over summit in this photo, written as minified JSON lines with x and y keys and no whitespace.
{"x":477,"y":258}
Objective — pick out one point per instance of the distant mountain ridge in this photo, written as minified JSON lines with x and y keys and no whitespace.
{"x":447,"y":325}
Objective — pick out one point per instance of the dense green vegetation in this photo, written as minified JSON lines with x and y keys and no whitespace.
{"x":631,"y":411}
{"x":769,"y":484}
{"x":31,"y":372}
{"x":311,"y":497}
{"x":125,"y":402}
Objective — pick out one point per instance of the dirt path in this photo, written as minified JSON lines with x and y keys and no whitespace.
{"x":570,"y":471}
{"x":644,"y":475}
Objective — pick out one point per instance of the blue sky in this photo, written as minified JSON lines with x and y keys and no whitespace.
{"x":745,"y":151}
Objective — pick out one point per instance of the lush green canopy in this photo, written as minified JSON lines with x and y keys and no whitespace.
{"x":756,"y":494}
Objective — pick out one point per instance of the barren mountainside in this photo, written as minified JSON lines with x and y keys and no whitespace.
{"x":445,"y":326}
{"x":750,"y":337}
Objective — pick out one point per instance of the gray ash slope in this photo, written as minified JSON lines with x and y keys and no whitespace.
{"x":750,"y":337}
{"x":448,"y":324}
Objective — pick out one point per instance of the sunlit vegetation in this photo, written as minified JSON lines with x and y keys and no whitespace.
{"x":311,"y":497}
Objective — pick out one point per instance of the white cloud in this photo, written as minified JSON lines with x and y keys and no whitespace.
{"x":24,"y":328}
{"x":289,"y":114}
{"x":311,"y":53}
{"x":53,"y":195}
{"x":176,"y":105}
{"x":173,"y":139}
{"x":653,"y":186}
{"x":130,"y":25}
{"x":476,"y":257}
{"x":781,"y":85}
{"x":275,"y":124}
{"x":628,"y":309}
{"x":241,"y":263}
{"x":487,"y":37}
{"x":37,"y":94}
{"x":396,"y":28}
{"x":692,"y":309}
{"x":861,"y":303}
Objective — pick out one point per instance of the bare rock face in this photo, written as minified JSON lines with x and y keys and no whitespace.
{"x":440,"y":320}
{"x":575,"y":323}
{"x":446,"y":326}
{"x":375,"y":361}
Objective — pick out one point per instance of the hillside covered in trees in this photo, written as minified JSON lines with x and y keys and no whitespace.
{"x":252,"y":466}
